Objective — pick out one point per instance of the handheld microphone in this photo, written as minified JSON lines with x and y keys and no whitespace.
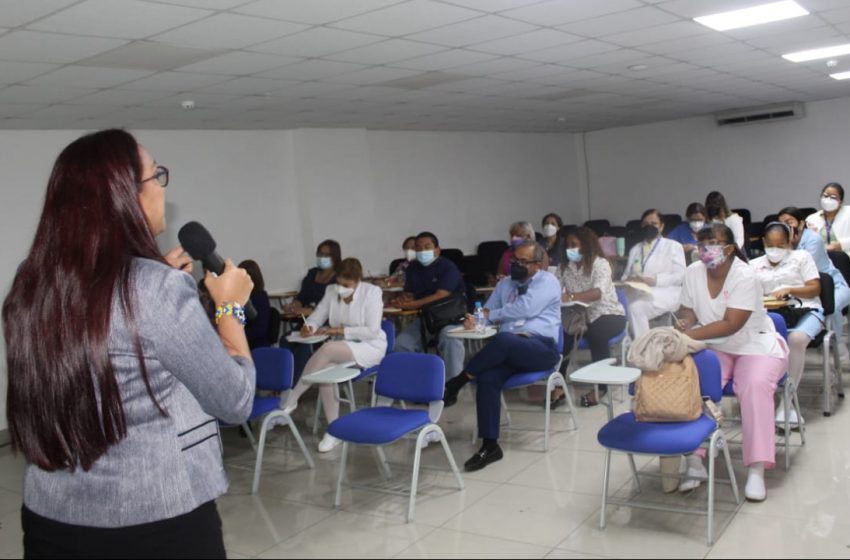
{"x":200,"y":245}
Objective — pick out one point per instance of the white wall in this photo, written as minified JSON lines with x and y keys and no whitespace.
{"x":762,"y":167}
{"x":273,"y":196}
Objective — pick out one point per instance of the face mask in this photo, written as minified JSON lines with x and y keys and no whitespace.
{"x":519,"y":272}
{"x":829,"y":204}
{"x":516,"y":241}
{"x":425,"y":257}
{"x":712,"y":255}
{"x":550,"y":230}
{"x":324,"y":262}
{"x":574,"y":255}
{"x":776,"y":254}
{"x":697,"y":225}
{"x":344,"y":293}
{"x":649,"y":232}
{"x":410,"y":255}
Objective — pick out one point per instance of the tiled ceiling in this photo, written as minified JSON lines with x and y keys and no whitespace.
{"x":503,"y":65}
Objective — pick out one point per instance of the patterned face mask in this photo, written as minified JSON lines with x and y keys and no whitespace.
{"x":712,"y":255}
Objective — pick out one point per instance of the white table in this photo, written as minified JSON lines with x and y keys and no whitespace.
{"x":605,"y":372}
{"x":474,"y":340}
{"x":336,"y":375}
{"x":296,"y":338}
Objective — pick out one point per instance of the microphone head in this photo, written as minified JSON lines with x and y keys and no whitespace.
{"x":196,"y":240}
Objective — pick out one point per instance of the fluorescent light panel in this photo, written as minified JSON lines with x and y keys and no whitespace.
{"x":817,"y":54}
{"x":757,"y":15}
{"x":840,"y":76}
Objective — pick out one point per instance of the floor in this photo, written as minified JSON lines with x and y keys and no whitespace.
{"x":531,"y":504}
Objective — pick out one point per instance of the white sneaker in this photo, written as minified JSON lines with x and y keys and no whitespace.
{"x":793,"y":419}
{"x":328,"y":443}
{"x":755,"y":490}
{"x":691,"y":467}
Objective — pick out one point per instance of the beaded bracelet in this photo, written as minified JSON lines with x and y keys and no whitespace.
{"x":232,"y":309}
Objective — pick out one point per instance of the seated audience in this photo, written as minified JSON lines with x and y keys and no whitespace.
{"x":409,"y":249}
{"x":717,"y":211}
{"x":685,"y":233}
{"x":429,"y":279}
{"x":807,"y":240}
{"x":527,"y":309}
{"x":520,"y":232}
{"x":658,"y":263}
{"x":257,"y":329}
{"x":832,"y":222}
{"x":314,"y":284}
{"x":552,"y":240}
{"x":722,"y":298}
{"x":784,"y":272}
{"x":352,"y":310}
{"x":586,"y":278}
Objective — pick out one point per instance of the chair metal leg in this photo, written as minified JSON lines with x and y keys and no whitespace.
{"x":836,"y":359}
{"x":352,"y":403}
{"x":550,"y":384}
{"x":635,"y":475}
{"x":449,"y":456}
{"x":383,"y":464}
{"x":258,"y":465}
{"x":300,"y":441}
{"x":827,"y":376}
{"x":505,"y":408}
{"x":342,"y":464}
{"x":711,"y":472}
{"x":572,"y":408}
{"x":721,"y":444}
{"x":414,"y":481}
{"x":606,"y":475}
{"x":787,"y":411}
{"x":799,"y":409}
{"x":250,"y":435}
{"x":316,"y":416}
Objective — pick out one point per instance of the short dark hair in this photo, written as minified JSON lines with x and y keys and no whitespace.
{"x":430,"y":236}
{"x":650,"y":212}
{"x":411,"y":238}
{"x":558,"y":219}
{"x":715,"y":204}
{"x":336,"y":250}
{"x":794,"y":212}
{"x":350,"y":269}
{"x":835,"y":186}
{"x":780,"y":227}
{"x":253,"y":270}
{"x":695,"y":208}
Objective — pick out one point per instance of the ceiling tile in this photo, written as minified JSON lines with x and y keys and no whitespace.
{"x":311,"y":11}
{"x":174,"y":82}
{"x":657,"y":34}
{"x":531,"y":74}
{"x":29,"y":46}
{"x":386,"y":52}
{"x":619,"y":22}
{"x":673,"y":46}
{"x":32,"y":94}
{"x":246,"y":86}
{"x":239,"y":63}
{"x":317,"y":42}
{"x":119,"y":98}
{"x":566,"y":53}
{"x":832,"y":16}
{"x":12,"y":72}
{"x":470,"y":32}
{"x":491,"y":6}
{"x":228,"y":31}
{"x":311,"y":70}
{"x":87,"y":77}
{"x":14,"y":13}
{"x":373,"y":76}
{"x":443,"y":60}
{"x":497,"y":66}
{"x":73,"y":111}
{"x":557,"y":12}
{"x":408,"y":17}
{"x":695,"y":8}
{"x":126,"y":19}
{"x":147,"y":55}
{"x":15,"y":109}
{"x":528,"y":42}
{"x":208,"y":4}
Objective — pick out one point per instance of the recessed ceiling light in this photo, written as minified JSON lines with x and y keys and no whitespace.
{"x":840,"y":76}
{"x":832,"y":63}
{"x":757,"y":15}
{"x":815,"y":54}
{"x":638,"y":67}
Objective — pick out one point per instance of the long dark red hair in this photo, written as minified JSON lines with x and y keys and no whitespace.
{"x":64,"y":405}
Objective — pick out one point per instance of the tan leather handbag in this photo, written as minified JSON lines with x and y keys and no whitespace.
{"x":670,"y":394}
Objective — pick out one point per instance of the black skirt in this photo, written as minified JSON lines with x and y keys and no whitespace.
{"x":196,"y":534}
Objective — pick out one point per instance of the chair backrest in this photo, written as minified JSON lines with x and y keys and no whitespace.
{"x":708,"y":367}
{"x":275,"y":367}
{"x":827,"y":293}
{"x":779,"y":324}
{"x":808,"y":211}
{"x":598,"y":226}
{"x":616,"y":231}
{"x":274,"y":326}
{"x":491,"y":253}
{"x":389,"y":330}
{"x":413,"y":377}
{"x":624,"y":301}
{"x":745,"y":214}
{"x":633,"y":226}
{"x":671,"y":221}
{"x":454,"y":255}
{"x":395,"y":264}
{"x":841,"y":261}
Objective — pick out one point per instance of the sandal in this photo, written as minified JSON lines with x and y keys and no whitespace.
{"x":556,"y":401}
{"x":589,"y":399}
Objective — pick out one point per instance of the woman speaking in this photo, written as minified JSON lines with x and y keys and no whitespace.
{"x":116,"y":376}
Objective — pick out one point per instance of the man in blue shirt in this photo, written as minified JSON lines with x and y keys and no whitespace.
{"x":527,"y":308}
{"x":428,"y":279}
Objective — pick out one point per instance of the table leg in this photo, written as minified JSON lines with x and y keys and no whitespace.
{"x":610,"y":403}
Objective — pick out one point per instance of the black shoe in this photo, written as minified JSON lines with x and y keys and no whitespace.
{"x":449,"y":400}
{"x":483,"y":458}
{"x":452,"y":390}
{"x":560,"y":401}
{"x":589,"y":400}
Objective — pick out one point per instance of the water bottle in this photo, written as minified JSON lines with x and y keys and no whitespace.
{"x":480,"y":319}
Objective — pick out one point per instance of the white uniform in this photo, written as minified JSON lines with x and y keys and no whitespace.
{"x":838,"y":230}
{"x":664,"y":260}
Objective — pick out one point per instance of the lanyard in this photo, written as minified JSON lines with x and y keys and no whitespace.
{"x":828,"y":230}
{"x":645,"y":258}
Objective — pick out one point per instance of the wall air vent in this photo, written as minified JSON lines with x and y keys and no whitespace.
{"x":766,"y":113}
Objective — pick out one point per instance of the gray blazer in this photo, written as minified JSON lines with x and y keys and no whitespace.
{"x":166,"y":466}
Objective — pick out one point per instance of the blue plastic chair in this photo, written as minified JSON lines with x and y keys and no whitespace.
{"x":626,"y":435}
{"x":406,"y":377}
{"x":552,"y":378}
{"x":791,"y":400}
{"x":275,"y":367}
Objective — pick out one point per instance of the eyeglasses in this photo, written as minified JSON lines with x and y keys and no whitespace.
{"x":523,"y":262}
{"x":161,"y":176}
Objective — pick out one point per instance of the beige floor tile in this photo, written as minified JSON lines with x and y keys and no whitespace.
{"x":10,"y":502}
{"x":824,"y":535}
{"x":560,"y":553}
{"x":529,"y":515}
{"x":11,"y":536}
{"x":12,"y":473}
{"x":444,"y":543}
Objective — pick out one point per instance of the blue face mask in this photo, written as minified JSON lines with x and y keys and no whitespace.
{"x":574,"y":255}
{"x":425,"y":257}
{"x":324,"y":262}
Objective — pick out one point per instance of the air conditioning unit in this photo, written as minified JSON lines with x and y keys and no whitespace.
{"x":766,"y":113}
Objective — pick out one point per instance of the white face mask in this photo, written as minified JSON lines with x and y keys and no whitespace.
{"x":829,"y":204}
{"x":344,"y":292}
{"x":776,"y":254}
{"x":410,"y":255}
{"x":550,"y":230}
{"x":697,"y":225}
